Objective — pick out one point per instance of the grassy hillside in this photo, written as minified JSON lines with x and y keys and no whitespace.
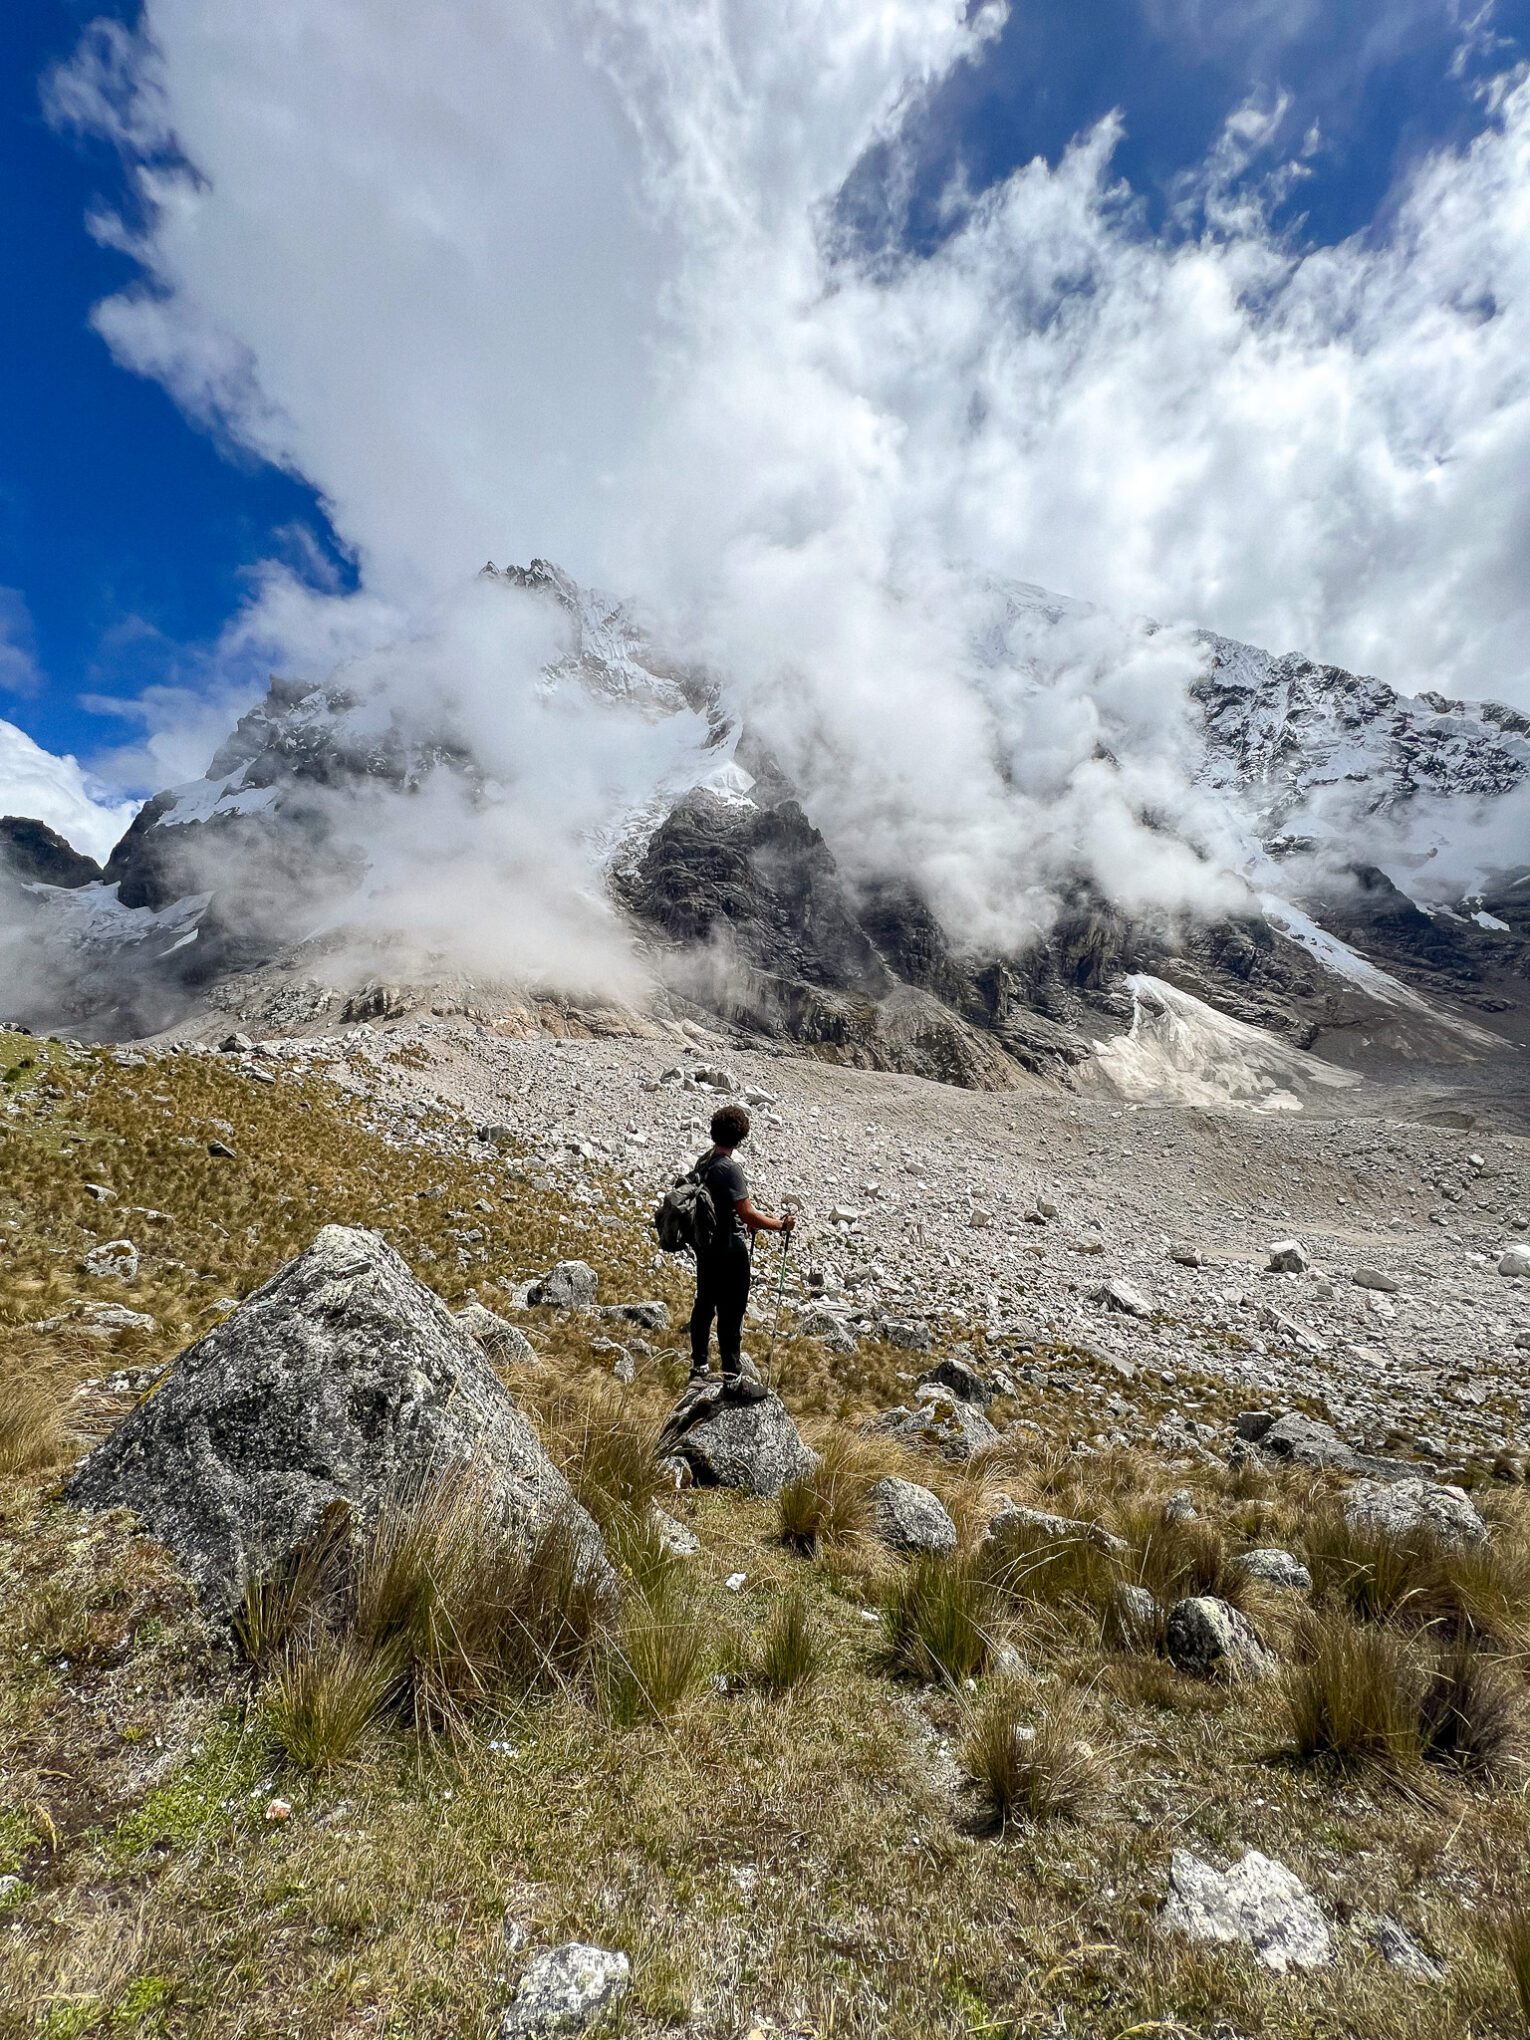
{"x":797,"y":1803}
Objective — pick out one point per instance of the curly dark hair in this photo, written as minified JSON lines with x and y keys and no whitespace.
{"x":730,"y":1125}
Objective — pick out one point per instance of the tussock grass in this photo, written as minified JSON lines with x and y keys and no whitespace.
{"x":1050,"y":1569}
{"x":830,"y":1504}
{"x":938,"y":1620}
{"x":790,"y":1651}
{"x":1467,"y":1711}
{"x":1421,"y":1581}
{"x":657,"y":1658}
{"x":1027,"y":1764}
{"x":1174,"y":1558}
{"x":438,"y":1610}
{"x":322,"y":1694}
{"x":1511,"y":1935}
{"x":33,"y":1435}
{"x":1353,"y":1699}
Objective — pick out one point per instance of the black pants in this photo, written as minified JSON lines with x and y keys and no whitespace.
{"x":722,"y":1291}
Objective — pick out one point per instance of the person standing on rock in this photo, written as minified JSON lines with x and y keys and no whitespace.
{"x":722,"y":1269}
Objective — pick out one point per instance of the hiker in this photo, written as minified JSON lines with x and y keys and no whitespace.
{"x":722,"y":1268}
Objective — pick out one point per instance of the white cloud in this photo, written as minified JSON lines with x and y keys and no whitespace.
{"x":18,"y":646}
{"x":499,"y":285}
{"x":57,"y":791}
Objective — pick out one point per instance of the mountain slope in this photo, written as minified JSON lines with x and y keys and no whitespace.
{"x":1360,"y":817}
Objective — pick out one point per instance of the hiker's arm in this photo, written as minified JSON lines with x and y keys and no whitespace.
{"x":758,"y":1222}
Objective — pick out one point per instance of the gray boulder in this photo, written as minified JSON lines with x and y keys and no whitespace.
{"x":342,"y":1381}
{"x":961,"y":1378}
{"x":1210,"y":1639}
{"x":1377,"y":1279}
{"x":1406,"y":1508}
{"x":952,"y":1428}
{"x":1133,"y":1618}
{"x":1277,"y":1568}
{"x":1306,"y":1441}
{"x":752,"y":1446}
{"x":113,"y":1261}
{"x":907,"y":1517}
{"x":569,"y":1286}
{"x":501,"y":1340}
{"x":1397,"y":1947}
{"x":1258,"y":1902}
{"x":1287,"y":1257}
{"x":1120,"y":1295}
{"x":909,"y":1335}
{"x":566,"y":1990}
{"x":1514,"y":1261}
{"x":1020,"y":1530}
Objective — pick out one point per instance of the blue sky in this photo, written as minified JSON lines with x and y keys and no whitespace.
{"x":129,"y":533}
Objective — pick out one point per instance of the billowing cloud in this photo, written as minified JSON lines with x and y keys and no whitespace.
{"x":498,"y":283}
{"x":35,"y":783}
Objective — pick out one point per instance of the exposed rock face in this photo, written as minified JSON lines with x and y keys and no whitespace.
{"x":754,"y":1447}
{"x":34,"y":854}
{"x":342,"y":1380}
{"x":1305,"y":1441}
{"x":1407,"y":1508}
{"x":1020,"y":1531}
{"x":1257,"y":1901}
{"x":1210,"y":1639}
{"x":907,"y":1517}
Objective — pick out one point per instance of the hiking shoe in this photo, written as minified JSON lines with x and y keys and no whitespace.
{"x":740,"y":1389}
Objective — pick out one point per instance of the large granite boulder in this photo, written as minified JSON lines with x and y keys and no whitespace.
{"x":752,"y":1446}
{"x":342,"y":1381}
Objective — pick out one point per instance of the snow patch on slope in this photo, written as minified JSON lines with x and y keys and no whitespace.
{"x":1180,"y":1051}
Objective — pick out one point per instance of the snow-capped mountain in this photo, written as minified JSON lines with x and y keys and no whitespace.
{"x":1380,"y":838}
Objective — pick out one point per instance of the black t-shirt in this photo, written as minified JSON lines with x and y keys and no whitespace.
{"x":724,"y":1177}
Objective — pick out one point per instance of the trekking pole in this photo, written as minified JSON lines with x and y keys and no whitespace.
{"x":786,"y":1247}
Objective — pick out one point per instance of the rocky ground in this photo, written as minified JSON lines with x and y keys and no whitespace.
{"x":1013,"y":1214}
{"x":1103,"y":1631}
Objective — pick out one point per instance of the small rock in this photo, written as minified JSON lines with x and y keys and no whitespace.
{"x":908,"y":1517}
{"x":1186,"y":1256}
{"x":279,"y":1810}
{"x":565,"y":1990}
{"x":1287,"y":1257}
{"x":1024,"y":1530}
{"x":1405,"y":1507}
{"x":953,"y":1428}
{"x":673,"y":1536}
{"x":113,"y":1261}
{"x":1209,"y":1639}
{"x":1257,"y":1901}
{"x":649,"y":1317}
{"x":1377,"y":1279}
{"x":501,"y":1340}
{"x":1133,"y":1618}
{"x":1117,"y":1294}
{"x":1397,"y":1947}
{"x":100,"y":1192}
{"x":569,"y":1286}
{"x":962,"y":1379}
{"x":221,"y":1151}
{"x":1277,"y":1568}
{"x":1514,"y":1261}
{"x":909,"y":1335}
{"x":236,"y":1044}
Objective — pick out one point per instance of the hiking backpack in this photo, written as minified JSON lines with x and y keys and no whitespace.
{"x":686,"y":1216}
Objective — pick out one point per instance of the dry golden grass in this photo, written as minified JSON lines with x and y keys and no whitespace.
{"x":1030,"y":1764}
